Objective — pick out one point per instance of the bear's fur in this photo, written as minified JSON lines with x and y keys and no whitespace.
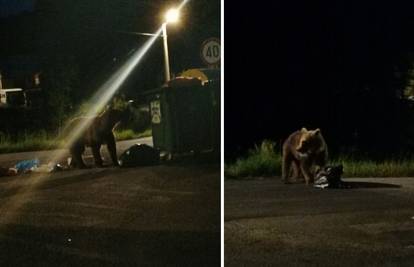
{"x":99,"y":132}
{"x":304,"y":152}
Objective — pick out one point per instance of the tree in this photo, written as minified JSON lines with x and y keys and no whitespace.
{"x":59,"y":84}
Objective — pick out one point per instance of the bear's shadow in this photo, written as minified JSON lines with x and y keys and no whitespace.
{"x":354,"y":185}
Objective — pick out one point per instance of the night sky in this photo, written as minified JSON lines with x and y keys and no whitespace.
{"x":9,"y":7}
{"x":98,"y":36}
{"x":319,"y":64}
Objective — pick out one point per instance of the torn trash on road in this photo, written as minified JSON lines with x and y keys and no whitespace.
{"x":139,"y":155}
{"x":329,"y":177}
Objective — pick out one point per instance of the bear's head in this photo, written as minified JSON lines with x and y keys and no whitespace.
{"x":310,"y":140}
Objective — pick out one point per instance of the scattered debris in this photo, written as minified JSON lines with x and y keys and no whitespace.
{"x":330,"y":177}
{"x":50,"y":167}
{"x":322,"y":182}
{"x":69,"y":161}
{"x":34,"y":165}
{"x":8,"y":171}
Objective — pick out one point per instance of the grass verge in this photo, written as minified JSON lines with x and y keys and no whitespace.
{"x":44,"y":141}
{"x":264,"y":161}
{"x":260,"y":161}
{"x":28,"y":142}
{"x":368,"y":168}
{"x":130,"y":134}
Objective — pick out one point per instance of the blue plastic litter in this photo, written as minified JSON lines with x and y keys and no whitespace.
{"x":27,"y":165}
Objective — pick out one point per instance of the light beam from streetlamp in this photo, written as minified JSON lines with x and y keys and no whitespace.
{"x":10,"y":208}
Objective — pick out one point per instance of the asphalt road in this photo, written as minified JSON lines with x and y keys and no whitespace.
{"x":268,"y":223}
{"x":166,"y":215}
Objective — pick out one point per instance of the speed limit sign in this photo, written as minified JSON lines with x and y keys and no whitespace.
{"x":210,"y":51}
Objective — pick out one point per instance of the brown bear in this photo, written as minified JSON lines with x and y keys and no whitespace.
{"x":100,"y":131}
{"x":304,"y":152}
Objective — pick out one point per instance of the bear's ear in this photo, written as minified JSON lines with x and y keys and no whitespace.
{"x":304,"y":130}
{"x":317,"y":131}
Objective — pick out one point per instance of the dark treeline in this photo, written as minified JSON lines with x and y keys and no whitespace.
{"x":77,"y":45}
{"x":338,"y":66}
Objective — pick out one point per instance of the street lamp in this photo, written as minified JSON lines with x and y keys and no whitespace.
{"x":171,"y":16}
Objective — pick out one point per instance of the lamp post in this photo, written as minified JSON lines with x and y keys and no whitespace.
{"x":171,"y":16}
{"x":166,"y":57}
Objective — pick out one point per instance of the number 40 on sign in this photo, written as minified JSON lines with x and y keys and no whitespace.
{"x":210,"y":51}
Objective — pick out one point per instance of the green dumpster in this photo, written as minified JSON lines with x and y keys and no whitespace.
{"x":184,"y":116}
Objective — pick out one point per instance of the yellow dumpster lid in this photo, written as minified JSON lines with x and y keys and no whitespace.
{"x":203,"y":74}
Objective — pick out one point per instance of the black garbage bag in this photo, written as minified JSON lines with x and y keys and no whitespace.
{"x":139,"y":155}
{"x":330,"y":177}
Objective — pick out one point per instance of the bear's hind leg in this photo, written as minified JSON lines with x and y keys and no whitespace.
{"x":76,"y":152}
{"x":111,"y":145}
{"x":286,"y":167}
{"x":97,"y":154}
{"x":297,"y":173}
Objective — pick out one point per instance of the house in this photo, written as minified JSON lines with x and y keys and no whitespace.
{"x":19,"y":82}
